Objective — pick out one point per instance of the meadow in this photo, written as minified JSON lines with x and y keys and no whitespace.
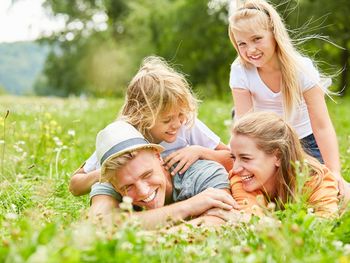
{"x":44,"y":140}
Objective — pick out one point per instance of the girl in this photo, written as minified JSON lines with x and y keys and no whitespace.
{"x":265,"y":150}
{"x":160,"y":105}
{"x":270,"y":75}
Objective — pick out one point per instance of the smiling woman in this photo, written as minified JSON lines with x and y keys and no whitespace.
{"x":268,"y":157}
{"x":26,"y":20}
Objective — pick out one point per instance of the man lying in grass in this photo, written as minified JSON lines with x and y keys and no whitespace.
{"x":131,"y":166}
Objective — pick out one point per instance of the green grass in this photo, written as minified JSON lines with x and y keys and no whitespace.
{"x":43,"y":140}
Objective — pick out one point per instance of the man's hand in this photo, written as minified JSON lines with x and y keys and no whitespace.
{"x":210,"y":198}
{"x":184,"y":158}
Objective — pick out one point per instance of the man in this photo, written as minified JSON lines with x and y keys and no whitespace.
{"x":131,"y":166}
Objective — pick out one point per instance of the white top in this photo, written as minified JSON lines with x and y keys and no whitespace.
{"x":264,"y":99}
{"x":198,"y":134}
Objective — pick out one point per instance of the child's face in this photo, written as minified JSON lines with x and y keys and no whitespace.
{"x":256,"y":168}
{"x":257,"y":48}
{"x":167,"y":126}
{"x":143,"y":179}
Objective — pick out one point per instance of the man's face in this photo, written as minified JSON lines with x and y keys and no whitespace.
{"x":143,"y":180}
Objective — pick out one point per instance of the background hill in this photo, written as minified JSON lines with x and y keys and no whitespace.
{"x":20,"y":64}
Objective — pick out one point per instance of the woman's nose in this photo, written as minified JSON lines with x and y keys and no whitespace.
{"x":237,"y":167}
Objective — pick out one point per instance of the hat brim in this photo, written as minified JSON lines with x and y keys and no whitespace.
{"x":132,"y":148}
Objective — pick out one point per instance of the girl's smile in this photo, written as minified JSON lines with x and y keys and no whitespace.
{"x":257,"y":48}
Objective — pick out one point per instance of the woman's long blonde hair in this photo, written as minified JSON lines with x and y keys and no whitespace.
{"x":157,"y":88}
{"x":275,"y":136}
{"x":259,"y":13}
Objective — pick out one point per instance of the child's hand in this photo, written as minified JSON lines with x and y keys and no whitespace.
{"x":184,"y":158}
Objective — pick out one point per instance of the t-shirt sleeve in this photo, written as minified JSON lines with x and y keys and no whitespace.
{"x":91,"y":164}
{"x":210,"y":174}
{"x":200,"y":134}
{"x":324,"y":196}
{"x":238,"y":77}
{"x":105,"y":189}
{"x":310,"y":77}
{"x":201,"y":175}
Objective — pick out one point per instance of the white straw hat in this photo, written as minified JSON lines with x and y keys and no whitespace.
{"x":118,"y":138}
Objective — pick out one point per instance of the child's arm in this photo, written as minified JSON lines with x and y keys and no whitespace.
{"x":323,"y":129}
{"x":242,"y":100}
{"x":81,"y":182}
{"x":188,"y":155}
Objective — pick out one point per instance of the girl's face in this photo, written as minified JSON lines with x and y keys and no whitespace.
{"x":256,"y":168}
{"x":167,"y":126}
{"x":257,"y":48}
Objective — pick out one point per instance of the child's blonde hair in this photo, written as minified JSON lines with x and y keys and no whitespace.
{"x":253,"y":13}
{"x":156,"y":89}
{"x":273,"y":135}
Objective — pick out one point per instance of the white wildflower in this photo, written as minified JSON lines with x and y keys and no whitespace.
{"x":71,"y":132}
{"x":11,"y":216}
{"x":127,"y":246}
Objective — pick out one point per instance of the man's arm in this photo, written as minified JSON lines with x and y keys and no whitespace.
{"x":103,"y":206}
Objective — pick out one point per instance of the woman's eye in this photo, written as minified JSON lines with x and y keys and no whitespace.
{"x":241,"y":44}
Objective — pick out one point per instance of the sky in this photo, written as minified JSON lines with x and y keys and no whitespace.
{"x":24,"y":20}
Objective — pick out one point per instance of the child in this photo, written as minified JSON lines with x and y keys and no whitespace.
{"x":270,"y":75}
{"x":265,"y":150}
{"x":160,"y":105}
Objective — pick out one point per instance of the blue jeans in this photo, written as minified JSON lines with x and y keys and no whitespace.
{"x":310,"y":146}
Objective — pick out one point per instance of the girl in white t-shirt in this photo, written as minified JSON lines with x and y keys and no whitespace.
{"x":269,"y":74}
{"x":159,"y":103}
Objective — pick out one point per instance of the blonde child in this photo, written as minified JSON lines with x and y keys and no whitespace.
{"x":266,"y":151}
{"x":269,"y":74}
{"x":160,"y":105}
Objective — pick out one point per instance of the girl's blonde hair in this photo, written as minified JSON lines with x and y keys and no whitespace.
{"x":253,"y":13}
{"x":157,"y":88}
{"x":273,"y":135}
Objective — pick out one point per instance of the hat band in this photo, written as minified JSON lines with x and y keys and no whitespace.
{"x":121,"y":146}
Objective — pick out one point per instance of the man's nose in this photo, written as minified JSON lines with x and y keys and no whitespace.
{"x":142,"y":189}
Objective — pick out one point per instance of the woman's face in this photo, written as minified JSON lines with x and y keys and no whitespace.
{"x":256,"y":169}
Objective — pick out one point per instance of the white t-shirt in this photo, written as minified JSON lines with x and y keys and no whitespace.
{"x":264,"y":99}
{"x":198,"y":134}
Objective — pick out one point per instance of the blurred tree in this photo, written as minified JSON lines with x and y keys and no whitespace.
{"x":327,"y":24}
{"x":191,"y":34}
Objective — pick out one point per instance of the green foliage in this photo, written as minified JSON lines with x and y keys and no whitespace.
{"x":87,"y":58}
{"x":43,"y":140}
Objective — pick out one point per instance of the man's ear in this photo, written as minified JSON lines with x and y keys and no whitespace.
{"x":159,"y":157}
